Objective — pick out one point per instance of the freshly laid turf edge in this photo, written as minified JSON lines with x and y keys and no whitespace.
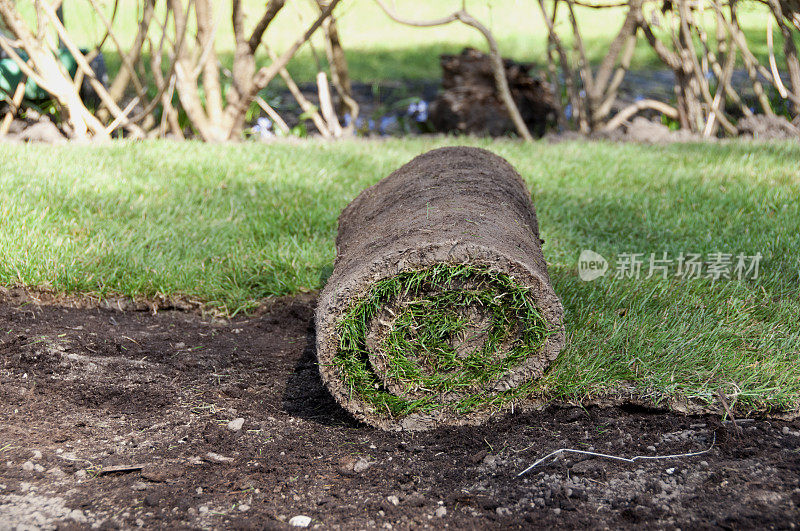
{"x":439,"y":310}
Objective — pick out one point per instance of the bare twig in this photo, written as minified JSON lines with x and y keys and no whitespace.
{"x":236,"y":109}
{"x":13,"y":108}
{"x":276,"y":118}
{"x":207,"y":61}
{"x":50,"y":72}
{"x":640,"y":105}
{"x":773,"y":65}
{"x":569,"y":76}
{"x":306,"y":106}
{"x":101,"y":471}
{"x":617,"y":458}
{"x":23,"y":65}
{"x":340,"y":75}
{"x":166,"y":83}
{"x":789,"y":47}
{"x":127,"y":58}
{"x":724,"y":400}
{"x":123,"y":115}
{"x":326,"y":106}
{"x":84,"y":66}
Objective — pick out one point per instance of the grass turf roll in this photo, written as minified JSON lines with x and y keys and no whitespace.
{"x":439,"y":310}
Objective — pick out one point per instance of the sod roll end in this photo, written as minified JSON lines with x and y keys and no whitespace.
{"x":439,"y":310}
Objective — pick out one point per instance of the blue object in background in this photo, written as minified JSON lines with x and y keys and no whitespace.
{"x":263,"y":128}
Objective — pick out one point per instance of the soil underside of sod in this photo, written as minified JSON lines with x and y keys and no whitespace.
{"x":90,"y":389}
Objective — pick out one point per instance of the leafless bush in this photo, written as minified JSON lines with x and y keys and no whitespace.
{"x":182,"y":48}
{"x":703,"y":67}
{"x":171,"y":81}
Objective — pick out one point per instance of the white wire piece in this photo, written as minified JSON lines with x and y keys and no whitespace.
{"x":615,"y":457}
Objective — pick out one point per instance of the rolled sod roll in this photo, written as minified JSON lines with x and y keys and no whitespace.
{"x":439,"y":310}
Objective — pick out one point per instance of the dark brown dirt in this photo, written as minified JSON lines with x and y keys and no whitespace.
{"x":454,"y":205}
{"x":82,"y":390}
{"x":469,"y":102}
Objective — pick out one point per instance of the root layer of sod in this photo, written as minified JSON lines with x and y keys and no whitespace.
{"x":451,"y":332}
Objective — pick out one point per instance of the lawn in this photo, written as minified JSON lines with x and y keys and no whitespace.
{"x":231,"y":225}
{"x":378,"y":49}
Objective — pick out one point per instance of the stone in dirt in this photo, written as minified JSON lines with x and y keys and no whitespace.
{"x":350,"y":466}
{"x":361,"y":465}
{"x":217,"y":458}
{"x":236,"y":424}
{"x":300,"y":521}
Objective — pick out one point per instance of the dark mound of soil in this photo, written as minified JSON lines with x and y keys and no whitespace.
{"x":469,"y":102}
{"x":82,"y":390}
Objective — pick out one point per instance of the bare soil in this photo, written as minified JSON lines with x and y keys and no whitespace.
{"x":86,"y":389}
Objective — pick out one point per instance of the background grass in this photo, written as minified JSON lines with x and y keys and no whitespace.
{"x":378,"y":49}
{"x":230,"y":225}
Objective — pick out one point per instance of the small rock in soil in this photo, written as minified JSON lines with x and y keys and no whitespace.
{"x":350,"y":466}
{"x":77,"y":516}
{"x":394,"y":500}
{"x":236,"y":424}
{"x":300,"y":521}
{"x":346,"y":465}
{"x":361,"y":465}
{"x":477,"y":457}
{"x":213,"y":456}
{"x":244,"y":507}
{"x":441,"y":512}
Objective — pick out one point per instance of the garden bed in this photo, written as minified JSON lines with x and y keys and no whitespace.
{"x":84,"y":390}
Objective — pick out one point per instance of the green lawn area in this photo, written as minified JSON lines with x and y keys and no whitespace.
{"x":230,"y":225}
{"x":378,"y":49}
